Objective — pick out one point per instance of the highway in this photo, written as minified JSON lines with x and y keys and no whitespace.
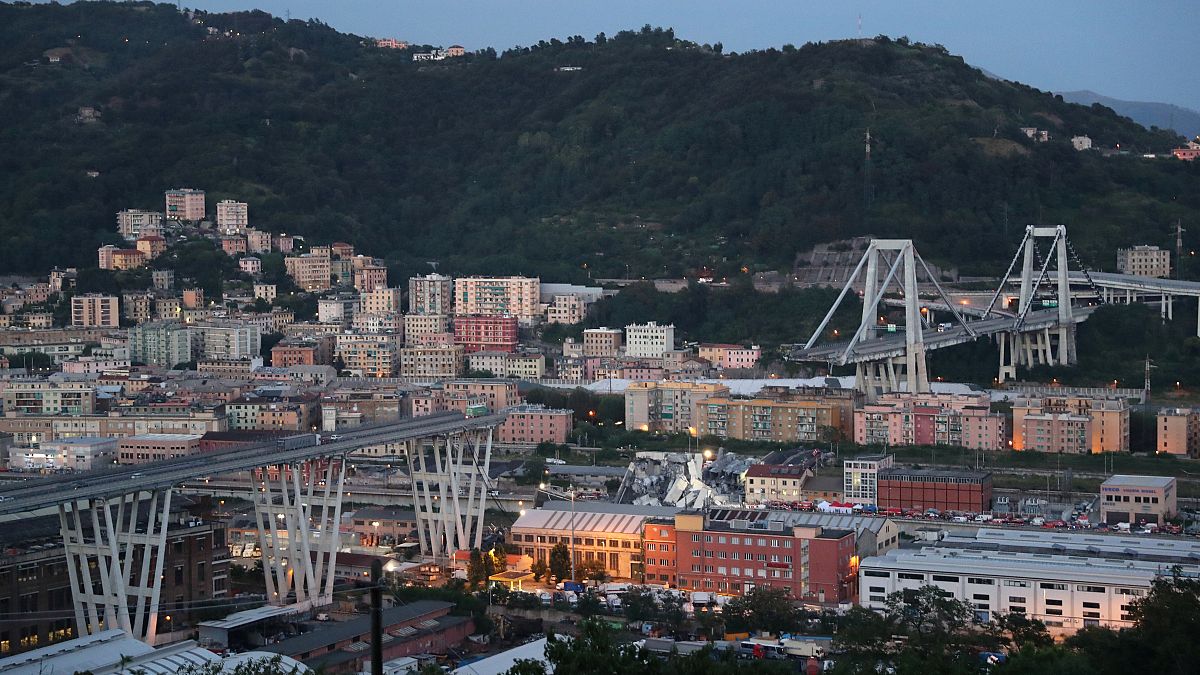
{"x":894,"y":345}
{"x":27,"y":499}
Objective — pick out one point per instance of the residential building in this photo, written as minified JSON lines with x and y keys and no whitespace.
{"x":192,"y":298}
{"x":185,"y":204}
{"x":431,"y":363}
{"x":498,"y":296}
{"x":1144,"y":261}
{"x":729,"y":356}
{"x":257,"y":241}
{"x":1081,"y":143}
{"x":764,"y":419}
{"x":234,"y":245}
{"x":309,"y":271}
{"x":266,"y":292}
{"x":94,"y":310}
{"x":648,"y":340}
{"x":252,"y":266}
{"x":532,"y":424}
{"x":1071,"y":424}
{"x":383,"y":526}
{"x":1179,"y":432}
{"x":382,"y":301}
{"x":150,"y":246}
{"x":379,"y":323}
{"x":95,"y":365}
{"x":733,"y":557}
{"x":137,"y":306}
{"x":566,"y":309}
{"x":284,"y":243}
{"x":494,"y":393}
{"x":602,"y":342}
{"x":860,"y":477}
{"x":44,"y":397}
{"x":28,"y":429}
{"x":135,"y":223}
{"x":339,"y":309}
{"x":313,"y":350}
{"x":503,"y":364}
{"x":963,"y":420}
{"x":486,"y":333}
{"x":228,"y":340}
{"x":941,"y":489}
{"x":162,"y":280}
{"x":1138,"y":499}
{"x":418,"y":325}
{"x":765,"y":483}
{"x":431,"y":294}
{"x":162,"y":343}
{"x":143,"y":448}
{"x":110,"y":257}
{"x":369,"y":354}
{"x":370,"y":277}
{"x":232,"y":217}
{"x":252,"y":412}
{"x":70,"y":454}
{"x":667,"y":406}
{"x":1063,"y":591}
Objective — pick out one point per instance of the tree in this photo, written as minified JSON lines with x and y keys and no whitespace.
{"x":1024,"y":633}
{"x":763,"y":608}
{"x":476,"y":570}
{"x":1172,"y":648}
{"x":639,"y":604}
{"x":560,"y":561}
{"x":539,"y":569}
{"x":594,"y":570}
{"x":588,"y":604}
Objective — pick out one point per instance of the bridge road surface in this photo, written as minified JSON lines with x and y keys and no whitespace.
{"x":35,"y":498}
{"x":894,"y":345}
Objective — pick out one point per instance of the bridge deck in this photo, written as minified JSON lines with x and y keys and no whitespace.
{"x":894,"y":345}
{"x":26,"y":498}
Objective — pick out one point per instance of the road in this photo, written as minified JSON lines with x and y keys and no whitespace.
{"x":36,"y":497}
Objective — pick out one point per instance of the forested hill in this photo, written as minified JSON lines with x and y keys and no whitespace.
{"x":648,"y":155}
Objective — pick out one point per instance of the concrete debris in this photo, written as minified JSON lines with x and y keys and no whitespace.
{"x":684,"y":480}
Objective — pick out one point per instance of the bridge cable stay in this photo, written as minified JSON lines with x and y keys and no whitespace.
{"x":1087,"y":274}
{"x":1007,"y":274}
{"x":957,"y":316}
{"x":1045,"y":265}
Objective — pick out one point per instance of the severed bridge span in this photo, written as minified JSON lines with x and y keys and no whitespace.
{"x":1050,"y":301}
{"x":114,"y":520}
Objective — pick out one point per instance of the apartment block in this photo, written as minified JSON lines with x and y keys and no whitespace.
{"x":257,"y":241}
{"x":309,"y":271}
{"x":370,"y":277}
{"x":41,"y":397}
{"x":234,"y":245}
{"x":142,"y":448}
{"x":137,"y":306}
{"x":314,"y":350}
{"x":729,"y":356}
{"x":860,"y":477}
{"x":504,"y":364}
{"x":94,"y":310}
{"x":151,"y":246}
{"x":1145,"y":261}
{"x":1178,"y":432}
{"x":339,"y":309}
{"x":418,"y":325}
{"x":431,"y":363}
{"x":33,"y":429}
{"x":668,"y":406}
{"x":185,"y":204}
{"x":162,"y":343}
{"x":647,"y":340}
{"x":963,"y":420}
{"x":232,"y":217}
{"x":602,"y":342}
{"x":533,"y":424}
{"x":388,"y":322}
{"x":162,"y":280}
{"x":1071,"y":424}
{"x":486,"y":333}
{"x":566,"y":309}
{"x":763,"y":419}
{"x":228,"y":340}
{"x":382,"y":301}
{"x":498,"y":296}
{"x":250,"y":265}
{"x":72,"y":454}
{"x":135,"y":223}
{"x":431,"y":294}
{"x":192,"y":298}
{"x":266,"y":292}
{"x":109,"y":257}
{"x":272,"y":413}
{"x":496,"y":394}
{"x":369,"y":354}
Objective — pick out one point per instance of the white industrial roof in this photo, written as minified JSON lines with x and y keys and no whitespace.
{"x":497,"y":664}
{"x":1096,"y":544}
{"x":1138,"y":481}
{"x":607,"y":523}
{"x":249,"y":616}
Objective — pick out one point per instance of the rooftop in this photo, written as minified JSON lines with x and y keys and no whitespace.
{"x":1138,"y":481}
{"x":1033,"y":566}
{"x":606,"y":523}
{"x":583,"y":470}
{"x":932,"y":473}
{"x":344,"y":630}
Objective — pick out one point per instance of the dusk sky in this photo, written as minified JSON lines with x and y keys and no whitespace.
{"x":1132,"y":50}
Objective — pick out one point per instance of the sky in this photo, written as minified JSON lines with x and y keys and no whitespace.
{"x":1142,"y":50}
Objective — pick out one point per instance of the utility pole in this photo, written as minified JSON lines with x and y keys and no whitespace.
{"x":1178,"y":246}
{"x":574,"y":577}
{"x":376,"y":618}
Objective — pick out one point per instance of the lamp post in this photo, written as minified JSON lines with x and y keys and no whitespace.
{"x":574,"y":577}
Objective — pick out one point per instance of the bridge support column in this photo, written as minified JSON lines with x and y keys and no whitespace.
{"x":128,"y":590}
{"x":308,"y":513}
{"x":450,"y":491}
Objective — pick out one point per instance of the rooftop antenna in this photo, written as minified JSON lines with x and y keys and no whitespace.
{"x":1178,"y":245}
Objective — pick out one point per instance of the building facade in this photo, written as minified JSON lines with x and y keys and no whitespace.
{"x":498,"y":296}
{"x":1178,"y":432}
{"x":309,"y":271}
{"x":185,"y":204}
{"x":162,"y":343}
{"x":486,"y":333}
{"x":667,"y":406}
{"x":1144,"y":261}
{"x":93,"y":310}
{"x":860,"y":477}
{"x":1137,"y":499}
{"x":533,"y":424}
{"x":647,"y":340}
{"x":233,"y":217}
{"x":142,"y":448}
{"x":431,"y":363}
{"x":431,"y":294}
{"x":944,"y":490}
{"x":963,"y":420}
{"x":764,"y":419}
{"x":369,"y":354}
{"x":1071,"y":424}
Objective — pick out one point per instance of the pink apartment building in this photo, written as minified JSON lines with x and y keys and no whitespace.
{"x":962,"y":420}
{"x":534,"y":424}
{"x":729,"y":356}
{"x":495,"y":394}
{"x":185,"y":204}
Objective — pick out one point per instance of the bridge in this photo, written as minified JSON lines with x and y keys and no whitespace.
{"x":114,"y":521}
{"x":1039,"y":331}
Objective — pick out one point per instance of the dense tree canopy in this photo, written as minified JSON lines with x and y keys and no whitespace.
{"x":652,"y":156}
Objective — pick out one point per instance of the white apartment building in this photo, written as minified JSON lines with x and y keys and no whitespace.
{"x":44,"y":397}
{"x":232,"y":217}
{"x":1145,"y":261}
{"x":163,"y":343}
{"x":185,"y":204}
{"x":504,"y":364}
{"x":382,"y":322}
{"x":74,"y":454}
{"x":498,"y":296}
{"x":649,"y":340}
{"x":226,"y":340}
{"x":416,"y":325}
{"x":431,"y":294}
{"x":266,"y":292}
{"x":134,"y":223}
{"x":339,"y":310}
{"x":860,"y":477}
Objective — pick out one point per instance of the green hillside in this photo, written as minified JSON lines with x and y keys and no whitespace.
{"x":658,"y":157}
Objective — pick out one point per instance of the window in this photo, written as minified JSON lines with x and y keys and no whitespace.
{"x":910,"y":575}
{"x":1054,"y":612}
{"x":696,"y":538}
{"x":944,"y":577}
{"x":1017,"y":609}
{"x":981,"y":581}
{"x":1091,"y":589}
{"x":876,"y":573}
{"x":878,"y":589}
{"x":1053,"y":602}
{"x":1052,"y":587}
{"x":1091,"y":605}
{"x":1017,"y":599}
{"x":1016,"y":584}
{"x":981,"y":596}
{"x":1091,"y":615}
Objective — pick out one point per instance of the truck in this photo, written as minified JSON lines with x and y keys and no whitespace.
{"x":573,"y":586}
{"x":805,"y":648}
{"x":476,"y":410}
{"x":298,"y":441}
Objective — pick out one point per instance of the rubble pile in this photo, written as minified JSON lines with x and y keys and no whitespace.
{"x":679,"y":479}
